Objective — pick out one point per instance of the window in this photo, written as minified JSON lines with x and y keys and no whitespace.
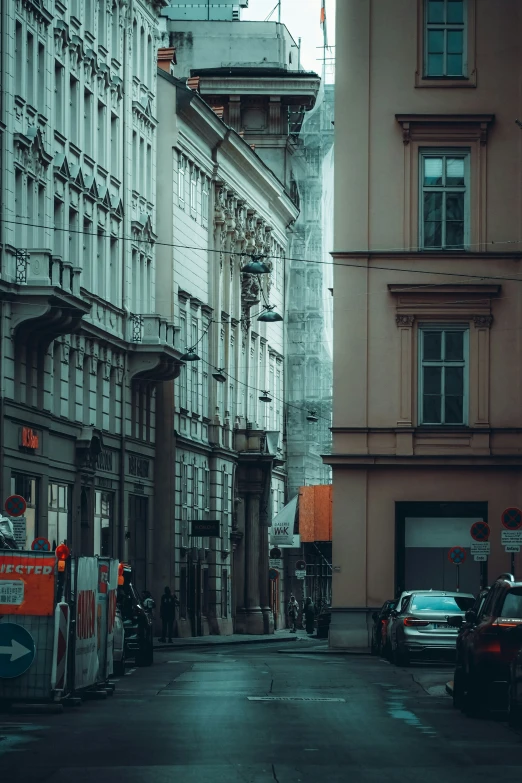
{"x":102,"y":523}
{"x":73,"y":108}
{"x":204,"y":201}
{"x":58,"y":514}
{"x":445,"y":192}
{"x":193,"y":191}
{"x":181,"y":181}
{"x":19,"y":53}
{"x":512,"y":605}
{"x":445,"y":37}
{"x":59,"y":97}
{"x":444,"y":375}
{"x":29,"y":53}
{"x":102,"y":133}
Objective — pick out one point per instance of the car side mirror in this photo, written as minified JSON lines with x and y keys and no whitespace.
{"x":470,"y":616}
{"x":394,"y":613}
{"x":456,"y":621}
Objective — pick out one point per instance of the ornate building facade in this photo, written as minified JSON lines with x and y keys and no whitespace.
{"x":224,"y":455}
{"x":82,"y":350}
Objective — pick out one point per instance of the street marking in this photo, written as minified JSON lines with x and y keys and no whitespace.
{"x":292,"y":698}
{"x":131,"y":671}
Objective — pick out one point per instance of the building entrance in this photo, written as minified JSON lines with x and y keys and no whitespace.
{"x":425,"y":533}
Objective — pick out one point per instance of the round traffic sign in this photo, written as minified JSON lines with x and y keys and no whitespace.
{"x":300,"y":565}
{"x":275,"y":553}
{"x":15,"y":505}
{"x":17,"y":650}
{"x":273,"y":574}
{"x":512,"y":518}
{"x":41,"y":544}
{"x":480,"y":531}
{"x":457,"y":555}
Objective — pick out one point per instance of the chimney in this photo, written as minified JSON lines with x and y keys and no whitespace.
{"x":167,"y":59}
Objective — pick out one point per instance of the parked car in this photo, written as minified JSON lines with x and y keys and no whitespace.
{"x":380,"y":624}
{"x":464,"y":626}
{"x":118,"y":649}
{"x":137,"y":622}
{"x":492,"y":643}
{"x":394,"y":614}
{"x":422,"y":630}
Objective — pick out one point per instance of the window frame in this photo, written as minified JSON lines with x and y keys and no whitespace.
{"x":444,"y":327}
{"x":445,"y":27}
{"x":445,"y":152}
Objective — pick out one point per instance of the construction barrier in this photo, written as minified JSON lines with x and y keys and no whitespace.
{"x":56,"y":624}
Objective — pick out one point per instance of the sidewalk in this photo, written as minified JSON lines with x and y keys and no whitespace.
{"x":235,"y":638}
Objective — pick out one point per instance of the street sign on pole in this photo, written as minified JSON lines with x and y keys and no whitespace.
{"x":457,"y":555}
{"x":41,"y":545}
{"x":15,"y":506}
{"x":510,"y":537}
{"x":512,"y":518}
{"x":275,"y":562}
{"x":273,"y":574}
{"x":300,"y":574}
{"x":480,"y":548}
{"x":480,"y":558}
{"x":480,"y":531}
{"x":512,"y":548}
{"x":17,"y":650}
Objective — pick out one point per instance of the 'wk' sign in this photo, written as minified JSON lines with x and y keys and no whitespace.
{"x":281,"y":530}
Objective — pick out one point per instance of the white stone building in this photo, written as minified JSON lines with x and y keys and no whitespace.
{"x":82,"y":351}
{"x":216,"y":201}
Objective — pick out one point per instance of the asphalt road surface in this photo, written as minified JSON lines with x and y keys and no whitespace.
{"x":258,"y":714}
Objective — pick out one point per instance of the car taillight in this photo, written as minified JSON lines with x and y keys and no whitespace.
{"x":412,"y":622}
{"x":507,"y":622}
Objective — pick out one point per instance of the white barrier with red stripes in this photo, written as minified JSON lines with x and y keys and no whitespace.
{"x":61,"y":647}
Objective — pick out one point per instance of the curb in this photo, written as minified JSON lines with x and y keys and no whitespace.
{"x":206,"y":645}
{"x":449,"y":688}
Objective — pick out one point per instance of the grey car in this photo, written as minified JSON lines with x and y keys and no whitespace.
{"x":421,"y":628}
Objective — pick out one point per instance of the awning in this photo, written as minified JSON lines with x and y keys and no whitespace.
{"x":282,"y":530}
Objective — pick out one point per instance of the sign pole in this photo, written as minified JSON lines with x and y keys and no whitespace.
{"x":513,"y":563}
{"x":458,"y":578}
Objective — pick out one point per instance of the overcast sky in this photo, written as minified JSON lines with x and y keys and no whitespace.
{"x":302,"y":17}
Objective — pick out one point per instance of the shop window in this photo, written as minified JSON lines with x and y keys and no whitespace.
{"x":205,"y":592}
{"x":103,"y":514}
{"x":224,"y":593}
{"x":27,"y":487}
{"x":183,"y":593}
{"x":58,"y":514}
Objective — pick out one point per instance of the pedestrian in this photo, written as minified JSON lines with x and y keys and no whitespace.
{"x":309,"y":612}
{"x":293,"y":611}
{"x":168,"y":614}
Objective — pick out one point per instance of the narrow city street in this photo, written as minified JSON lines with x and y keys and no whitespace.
{"x":263,"y":712}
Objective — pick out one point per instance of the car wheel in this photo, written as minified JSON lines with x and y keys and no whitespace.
{"x":514,"y":710}
{"x":401,"y":657}
{"x":459,"y":688}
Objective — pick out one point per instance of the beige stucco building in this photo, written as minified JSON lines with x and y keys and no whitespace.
{"x":427,"y":426}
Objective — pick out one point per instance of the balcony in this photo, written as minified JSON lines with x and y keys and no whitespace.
{"x":44,"y":292}
{"x":152,"y":356}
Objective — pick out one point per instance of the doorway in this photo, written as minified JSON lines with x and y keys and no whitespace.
{"x":425,"y":533}
{"x":138,"y":512}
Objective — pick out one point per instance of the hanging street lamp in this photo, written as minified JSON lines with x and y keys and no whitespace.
{"x":270,"y":316}
{"x":265,"y":397}
{"x":219,"y":375}
{"x":190,"y":356}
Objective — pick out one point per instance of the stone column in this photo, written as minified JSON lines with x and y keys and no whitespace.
{"x":264,"y":588}
{"x":254,"y":615}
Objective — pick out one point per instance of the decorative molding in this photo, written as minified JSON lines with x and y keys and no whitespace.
{"x":482,"y":321}
{"x":445,"y":127}
{"x":404,"y":320}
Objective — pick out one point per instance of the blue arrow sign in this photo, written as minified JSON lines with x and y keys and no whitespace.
{"x":17,"y":650}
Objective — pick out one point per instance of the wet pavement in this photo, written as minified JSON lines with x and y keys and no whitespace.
{"x":258,"y":714}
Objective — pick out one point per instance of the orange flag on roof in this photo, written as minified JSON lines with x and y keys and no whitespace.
{"x":323,"y":12}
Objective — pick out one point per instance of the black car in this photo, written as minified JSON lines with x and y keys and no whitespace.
{"x":137,"y":622}
{"x":463,"y":640}
{"x":380,"y":623}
